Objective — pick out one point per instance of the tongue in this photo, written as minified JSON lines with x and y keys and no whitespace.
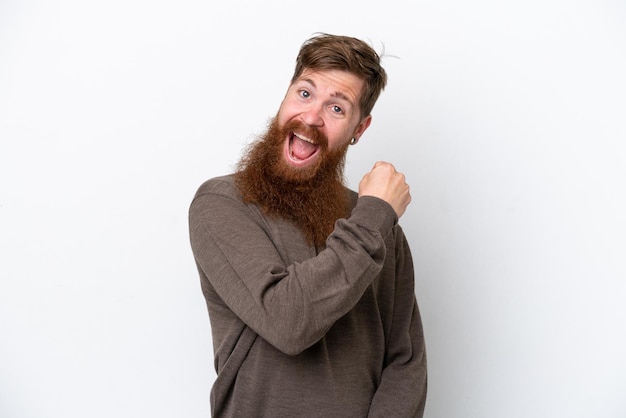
{"x":302,"y":149}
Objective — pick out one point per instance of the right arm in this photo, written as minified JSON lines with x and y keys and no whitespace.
{"x":290,"y":306}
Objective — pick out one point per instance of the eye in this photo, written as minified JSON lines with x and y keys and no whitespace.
{"x":336,"y":109}
{"x":305,"y":94}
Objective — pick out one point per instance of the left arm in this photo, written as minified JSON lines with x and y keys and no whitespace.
{"x":402,"y":389}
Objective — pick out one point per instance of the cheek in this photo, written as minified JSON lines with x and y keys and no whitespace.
{"x":285,"y":117}
{"x":338,"y":138}
{"x":282,"y":112}
{"x":335,"y":143}
{"x":287,"y":110}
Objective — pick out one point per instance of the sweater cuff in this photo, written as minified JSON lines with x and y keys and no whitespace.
{"x":375,"y":214}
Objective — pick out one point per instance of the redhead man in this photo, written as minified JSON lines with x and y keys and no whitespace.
{"x":309,"y":285}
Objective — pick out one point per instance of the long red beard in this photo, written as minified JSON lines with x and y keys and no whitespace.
{"x":313,"y":198}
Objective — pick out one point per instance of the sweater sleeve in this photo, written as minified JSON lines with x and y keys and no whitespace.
{"x":291,"y":306}
{"x":402,"y":390}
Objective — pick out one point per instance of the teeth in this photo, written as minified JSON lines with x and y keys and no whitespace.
{"x":304,"y":138}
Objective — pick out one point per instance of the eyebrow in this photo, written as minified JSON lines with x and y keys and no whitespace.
{"x":337,"y":94}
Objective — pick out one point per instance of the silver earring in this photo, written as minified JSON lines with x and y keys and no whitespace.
{"x":353,"y":141}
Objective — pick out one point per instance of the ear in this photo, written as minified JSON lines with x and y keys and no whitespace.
{"x":362,"y":127}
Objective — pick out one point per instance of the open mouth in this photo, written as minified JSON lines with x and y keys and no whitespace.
{"x":301,"y":148}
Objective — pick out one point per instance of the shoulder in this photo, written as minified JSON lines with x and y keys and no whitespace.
{"x":222,"y":185}
{"x":218,"y":196}
{"x":218,"y":207}
{"x":353,"y":197}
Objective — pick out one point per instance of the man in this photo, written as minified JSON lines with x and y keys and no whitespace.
{"x":309,"y":286}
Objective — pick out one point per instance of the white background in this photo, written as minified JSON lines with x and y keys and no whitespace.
{"x":508,"y":119}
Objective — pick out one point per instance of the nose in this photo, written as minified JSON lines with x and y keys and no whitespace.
{"x":312,"y":116}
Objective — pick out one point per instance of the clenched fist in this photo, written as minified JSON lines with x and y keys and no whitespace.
{"x":387,"y":184}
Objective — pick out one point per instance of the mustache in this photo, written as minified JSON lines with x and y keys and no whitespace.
{"x":314,"y":134}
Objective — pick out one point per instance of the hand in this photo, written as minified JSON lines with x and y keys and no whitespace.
{"x":387,"y":184}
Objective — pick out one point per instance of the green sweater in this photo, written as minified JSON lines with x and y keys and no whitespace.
{"x":300,"y":331}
